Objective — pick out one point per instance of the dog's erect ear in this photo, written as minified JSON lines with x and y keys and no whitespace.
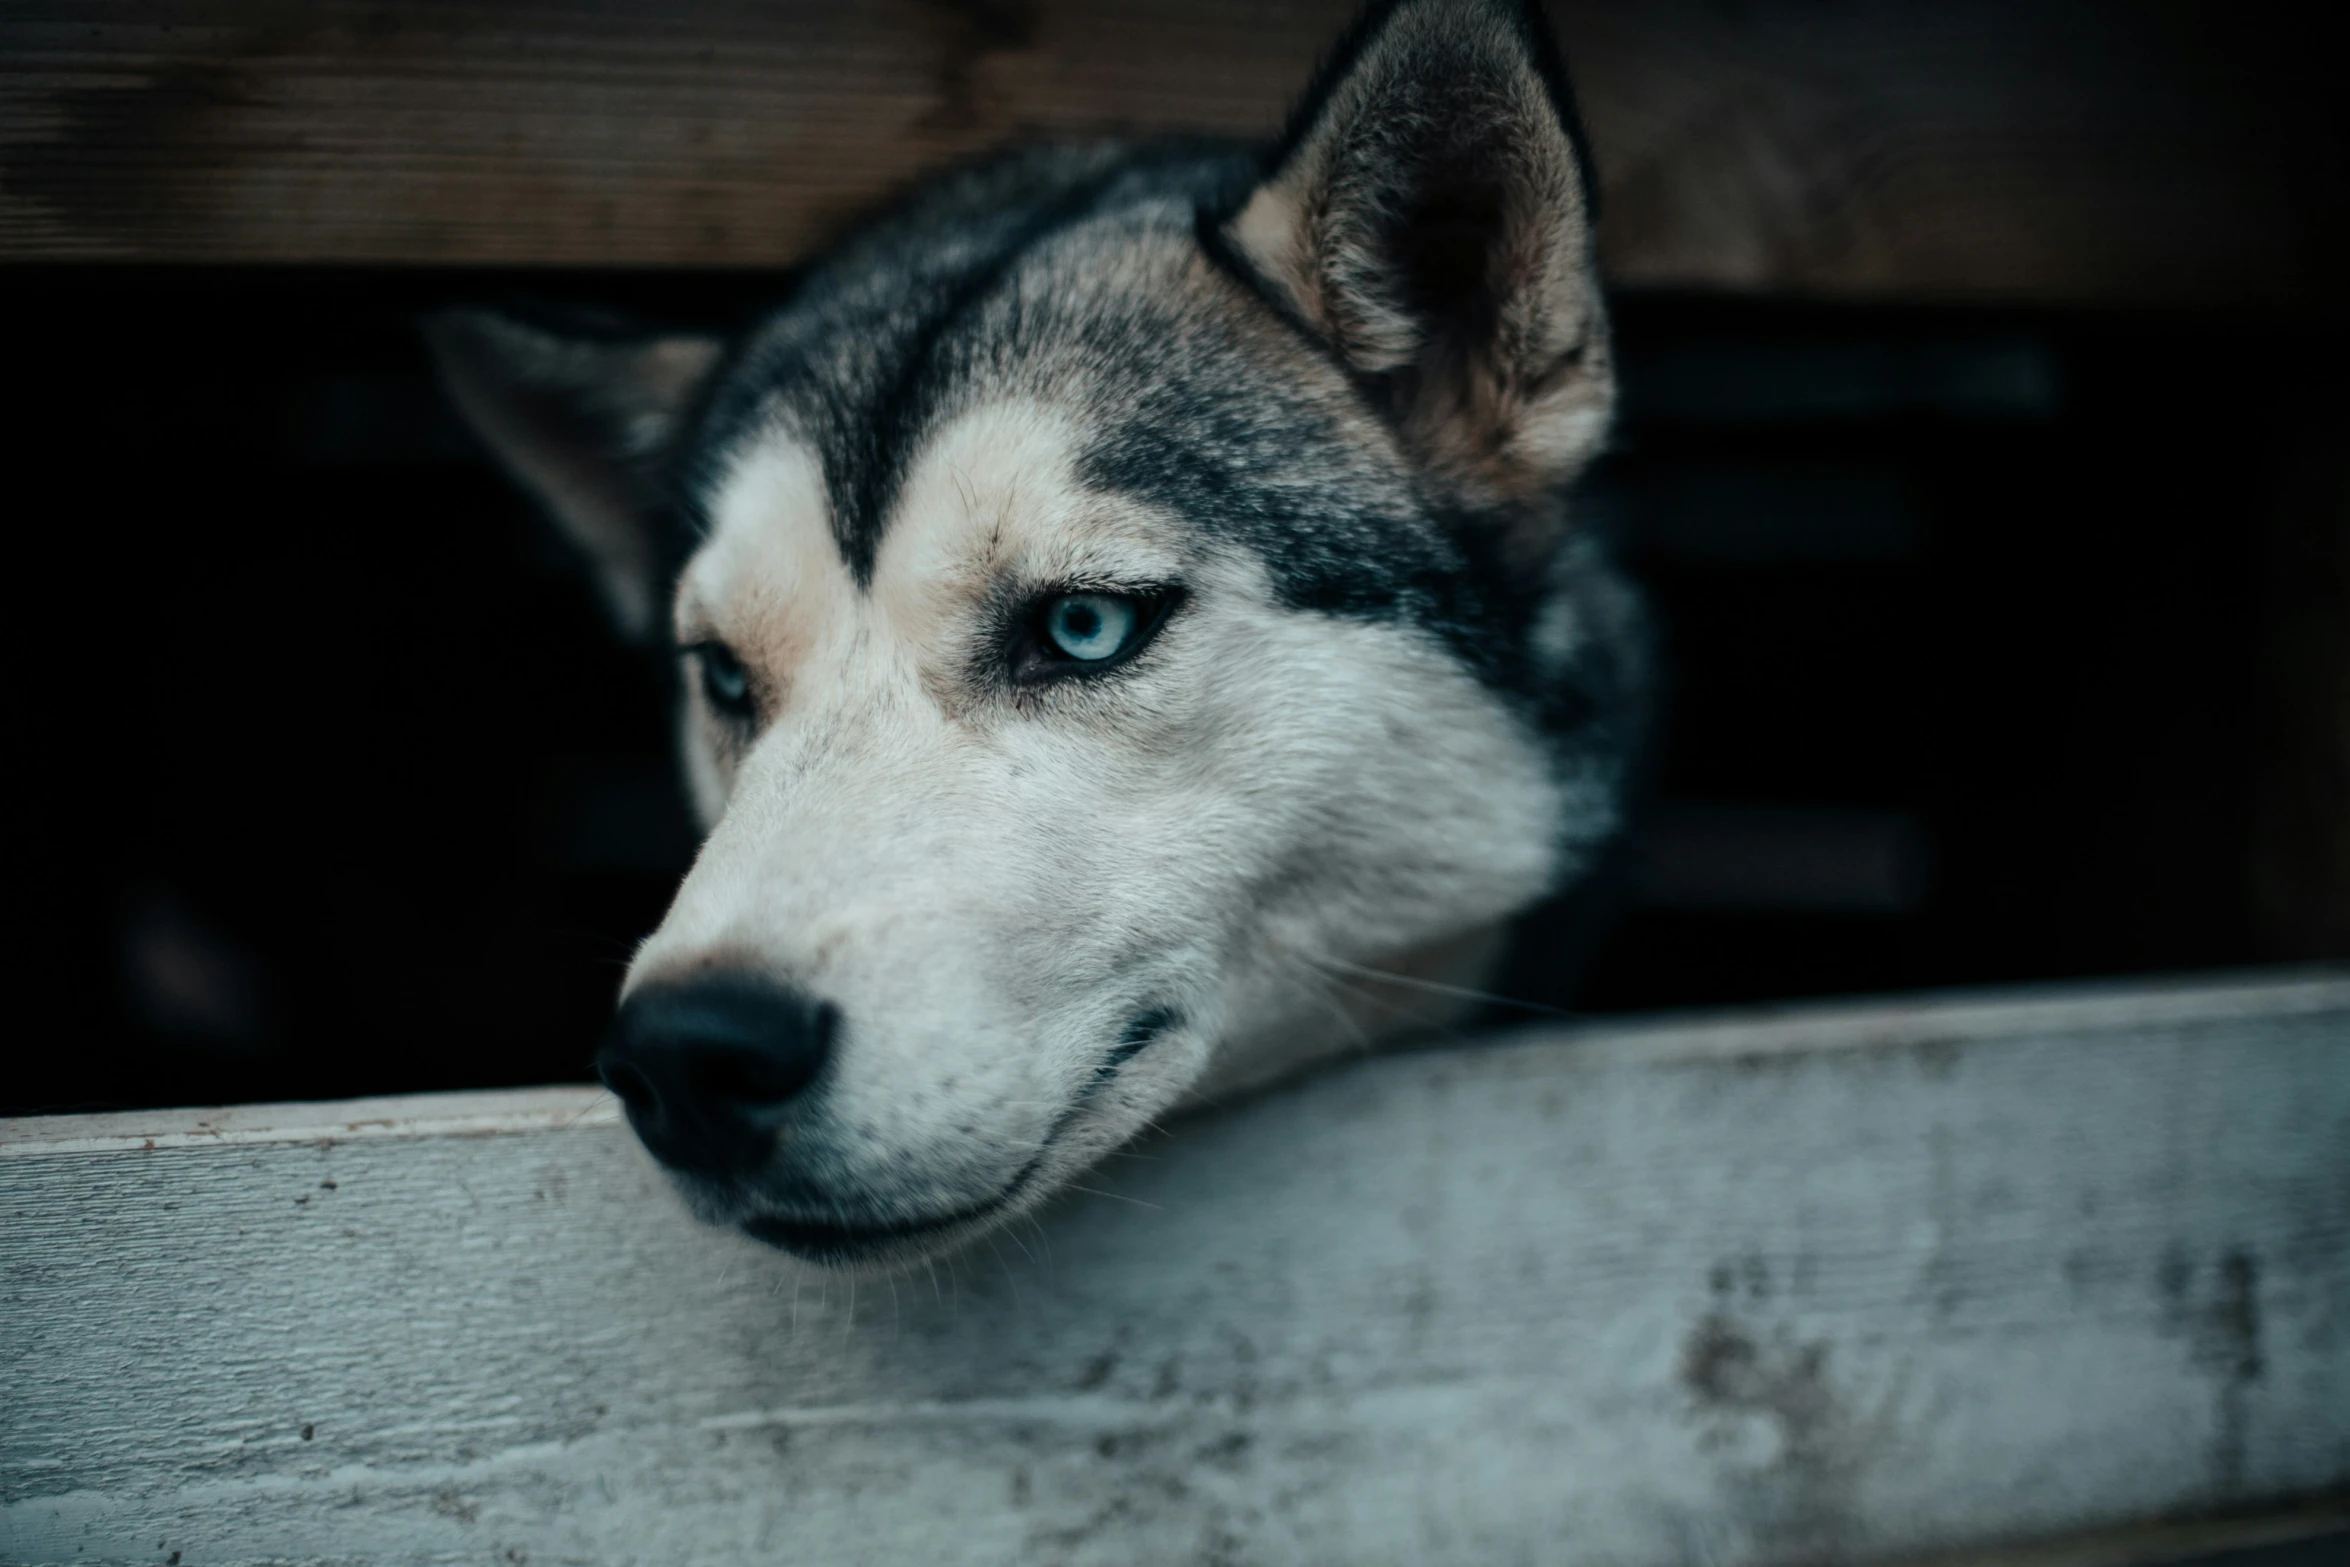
{"x":585,"y":423}
{"x":1429,"y":216}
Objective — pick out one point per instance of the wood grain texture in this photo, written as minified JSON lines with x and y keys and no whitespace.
{"x":1827,"y":1284}
{"x":2186,"y":151}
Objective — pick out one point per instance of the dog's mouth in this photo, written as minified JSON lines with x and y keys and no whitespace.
{"x":825,"y":1241}
{"x":820,"y":1241}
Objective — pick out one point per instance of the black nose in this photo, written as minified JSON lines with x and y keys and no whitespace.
{"x":706,"y":1066}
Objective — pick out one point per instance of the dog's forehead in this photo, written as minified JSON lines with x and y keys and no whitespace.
{"x":872,"y":363}
{"x":993,"y":502}
{"x":1175,"y":395}
{"x":936,"y":434}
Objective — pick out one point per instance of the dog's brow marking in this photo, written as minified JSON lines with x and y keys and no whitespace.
{"x":991,"y":492}
{"x":866,"y":447}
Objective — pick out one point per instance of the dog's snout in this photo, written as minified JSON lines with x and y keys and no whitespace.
{"x":705,"y":1066}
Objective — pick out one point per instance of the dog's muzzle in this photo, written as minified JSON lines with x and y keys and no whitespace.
{"x":708,"y":1067}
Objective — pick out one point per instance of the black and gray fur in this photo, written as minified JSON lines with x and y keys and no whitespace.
{"x":1365,"y":363}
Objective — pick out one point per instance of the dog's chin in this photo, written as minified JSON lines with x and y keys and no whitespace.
{"x":877,"y":1248}
{"x":886,"y":1246}
{"x":861,"y":1235}
{"x":852,"y":1242}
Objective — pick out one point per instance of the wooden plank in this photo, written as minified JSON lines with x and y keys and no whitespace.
{"x":2047,"y":150}
{"x":1841,"y":1283}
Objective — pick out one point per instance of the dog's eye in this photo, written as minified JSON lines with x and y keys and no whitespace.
{"x":1091,"y":628}
{"x":1087,"y":631}
{"x":725,"y":682}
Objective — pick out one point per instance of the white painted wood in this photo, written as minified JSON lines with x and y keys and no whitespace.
{"x":1829,"y":1283}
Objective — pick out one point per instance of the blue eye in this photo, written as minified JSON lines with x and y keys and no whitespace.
{"x":725,"y":682}
{"x":1090,"y":627}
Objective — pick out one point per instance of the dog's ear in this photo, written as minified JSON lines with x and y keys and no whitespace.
{"x":1429,"y":216}
{"x":585,"y":422}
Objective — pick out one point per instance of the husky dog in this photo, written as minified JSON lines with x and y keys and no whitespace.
{"x":1123,"y":597}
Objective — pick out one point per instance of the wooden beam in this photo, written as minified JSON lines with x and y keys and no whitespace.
{"x":1840,"y":1283}
{"x":2028,"y":150}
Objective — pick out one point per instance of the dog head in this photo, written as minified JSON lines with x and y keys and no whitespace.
{"x":1120,"y":599}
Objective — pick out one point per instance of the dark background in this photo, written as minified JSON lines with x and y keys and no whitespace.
{"x":1981,"y":627}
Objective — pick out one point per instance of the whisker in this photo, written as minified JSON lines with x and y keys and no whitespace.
{"x":1321,"y":994}
{"x":1095,"y":1191}
{"x":1019,"y":1304}
{"x":1361,"y":991}
{"x":1433,"y":987}
{"x":1044,"y":1240}
{"x":1364,"y":992}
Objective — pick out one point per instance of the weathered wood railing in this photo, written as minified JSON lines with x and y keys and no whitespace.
{"x":1858,"y":1282}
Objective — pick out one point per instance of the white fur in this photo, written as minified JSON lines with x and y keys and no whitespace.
{"x":990,"y":883}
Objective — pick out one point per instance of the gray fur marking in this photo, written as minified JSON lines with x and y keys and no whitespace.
{"x":987,"y":285}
